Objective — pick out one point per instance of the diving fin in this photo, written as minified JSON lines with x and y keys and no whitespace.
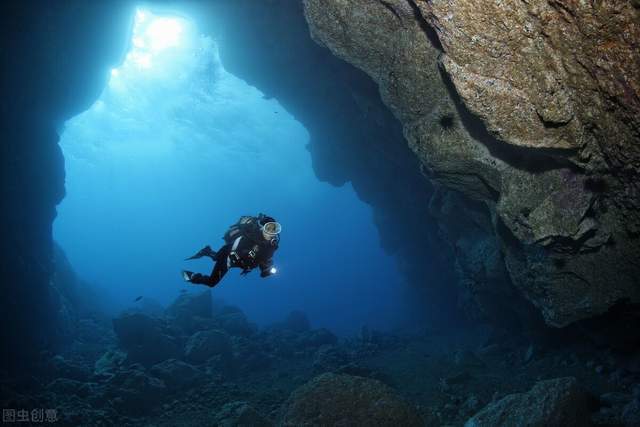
{"x":186,"y":275}
{"x":206,"y":251}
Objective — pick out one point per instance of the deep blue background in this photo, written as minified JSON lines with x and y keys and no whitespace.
{"x":173,"y":152}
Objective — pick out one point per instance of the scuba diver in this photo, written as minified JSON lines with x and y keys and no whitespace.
{"x":249,"y":243}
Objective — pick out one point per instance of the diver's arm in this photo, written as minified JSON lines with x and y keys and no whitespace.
{"x":266,"y":268}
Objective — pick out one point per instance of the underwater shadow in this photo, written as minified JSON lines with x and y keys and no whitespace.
{"x":534,"y":160}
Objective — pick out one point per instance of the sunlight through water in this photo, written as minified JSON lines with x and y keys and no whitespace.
{"x":172,"y":153}
{"x":152,"y":35}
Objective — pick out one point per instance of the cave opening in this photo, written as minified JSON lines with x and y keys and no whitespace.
{"x":206,"y":115}
{"x":174,"y":151}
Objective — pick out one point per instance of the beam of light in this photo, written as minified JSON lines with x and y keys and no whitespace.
{"x":154,"y":36}
{"x":163,"y":33}
{"x":141,"y":16}
{"x":138,"y":41}
{"x":141,"y":58}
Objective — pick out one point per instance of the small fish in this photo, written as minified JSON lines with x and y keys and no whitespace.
{"x":138,"y":299}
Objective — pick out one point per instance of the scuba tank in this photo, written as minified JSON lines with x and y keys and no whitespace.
{"x":244,"y":224}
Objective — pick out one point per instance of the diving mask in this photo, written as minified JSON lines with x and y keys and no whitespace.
{"x":271,"y":228}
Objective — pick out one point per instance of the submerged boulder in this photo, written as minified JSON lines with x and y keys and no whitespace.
{"x":67,"y":369}
{"x":149,"y":306}
{"x":235,"y":323}
{"x":249,"y":355}
{"x":237,"y":414}
{"x":191,"y":303}
{"x":134,"y":391}
{"x":66,"y":386}
{"x":631,"y":413}
{"x":109,"y":362}
{"x":467,"y":359}
{"x":329,"y":358}
{"x":296,"y":321}
{"x":557,"y":402}
{"x":331,"y":399}
{"x":145,"y":338}
{"x":175,"y":373}
{"x":317,"y":338}
{"x":188,"y":308}
{"x":204,"y":345}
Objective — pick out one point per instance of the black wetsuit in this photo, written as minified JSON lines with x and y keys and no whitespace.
{"x":247,"y":251}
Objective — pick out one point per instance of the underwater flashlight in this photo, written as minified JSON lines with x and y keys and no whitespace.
{"x":273,"y":270}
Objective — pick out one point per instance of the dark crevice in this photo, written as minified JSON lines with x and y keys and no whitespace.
{"x":428,"y":30}
{"x":596,"y":185}
{"x":506,"y":236}
{"x":567,"y":245}
{"x":391,"y":9}
{"x":495,"y":194}
{"x":559,"y":263}
{"x":611,"y":329}
{"x":534,"y":160}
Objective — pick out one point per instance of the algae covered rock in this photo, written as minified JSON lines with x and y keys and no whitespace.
{"x":69,"y":387}
{"x":134,"y":391}
{"x":175,"y":373}
{"x":145,"y":338}
{"x":317,"y":338}
{"x":332,"y":399}
{"x":557,"y":402}
{"x":631,"y":413}
{"x":204,"y":345}
{"x":192,"y":304}
{"x":235,"y":323}
{"x":109,"y":362}
{"x":329,"y":358}
{"x":188,"y":310}
{"x":67,"y":369}
{"x":237,"y":414}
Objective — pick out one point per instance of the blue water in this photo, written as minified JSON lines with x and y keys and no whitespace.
{"x":172,"y":153}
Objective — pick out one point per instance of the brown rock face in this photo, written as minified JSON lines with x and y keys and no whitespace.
{"x":556,"y":402}
{"x":531,"y":109}
{"x":538,"y":73}
{"x":341,"y":400}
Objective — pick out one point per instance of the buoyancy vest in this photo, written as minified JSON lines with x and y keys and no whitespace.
{"x":248,"y":246}
{"x":246,"y":226}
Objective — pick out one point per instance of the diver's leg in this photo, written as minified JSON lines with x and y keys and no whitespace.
{"x":219,"y":269}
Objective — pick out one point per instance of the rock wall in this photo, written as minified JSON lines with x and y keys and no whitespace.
{"x":55,"y":60}
{"x":356,"y":138}
{"x":530,"y":109}
{"x":353,"y":136}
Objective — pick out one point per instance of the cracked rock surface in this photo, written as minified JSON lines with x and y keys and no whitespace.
{"x":531,"y":109}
